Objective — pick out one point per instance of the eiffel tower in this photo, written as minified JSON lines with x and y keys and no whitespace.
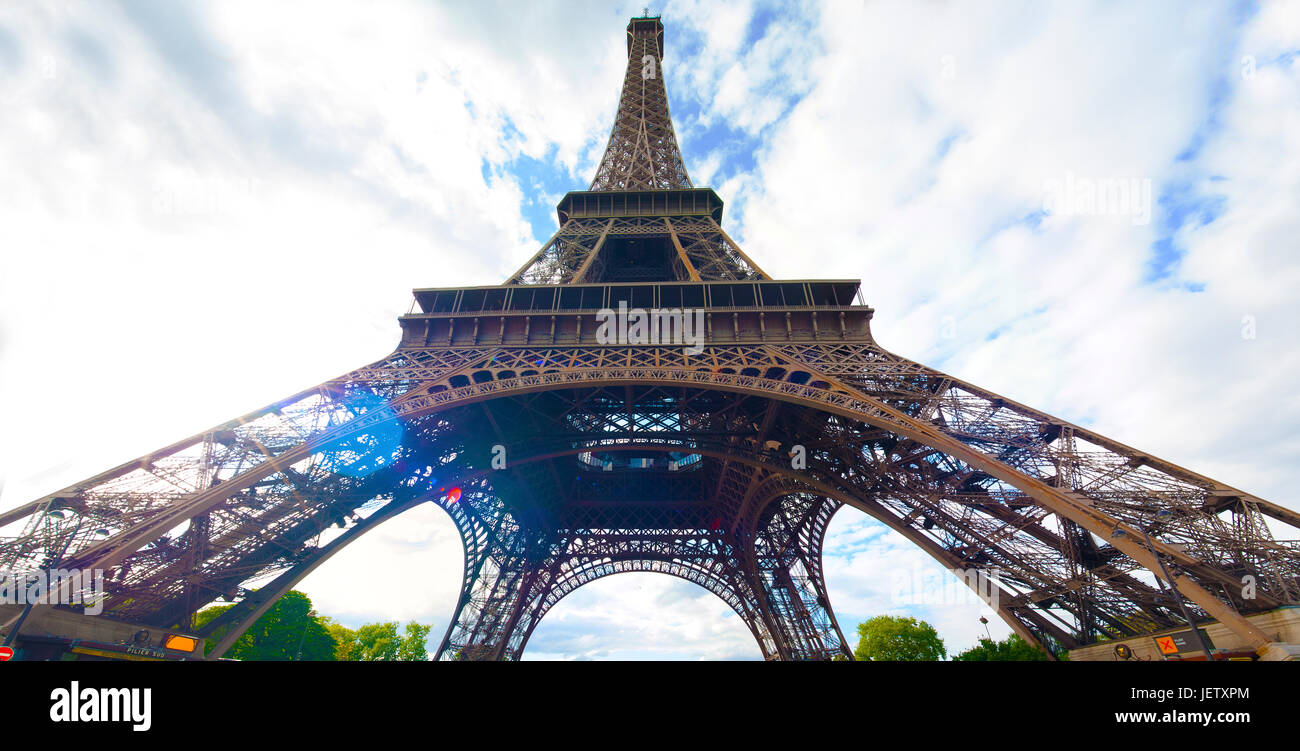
{"x":709,"y":430}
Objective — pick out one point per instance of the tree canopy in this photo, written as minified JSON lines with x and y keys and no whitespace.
{"x":1010,"y":649}
{"x":380,"y":642}
{"x":289,"y":630}
{"x":891,"y":638}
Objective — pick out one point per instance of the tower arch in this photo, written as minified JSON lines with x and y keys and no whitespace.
{"x":756,"y":372}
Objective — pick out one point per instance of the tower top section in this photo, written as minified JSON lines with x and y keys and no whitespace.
{"x":641,"y":221}
{"x":642,"y":152}
{"x":646,"y":25}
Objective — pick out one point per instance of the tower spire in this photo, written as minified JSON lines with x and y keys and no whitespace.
{"x":642,"y":152}
{"x":641,"y":220}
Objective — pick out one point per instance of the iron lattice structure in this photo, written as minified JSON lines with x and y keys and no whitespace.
{"x":654,"y":457}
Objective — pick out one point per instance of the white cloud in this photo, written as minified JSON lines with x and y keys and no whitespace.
{"x":640,"y":616}
{"x":205,"y":209}
{"x":852,"y":175}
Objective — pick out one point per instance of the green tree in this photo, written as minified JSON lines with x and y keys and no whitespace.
{"x":289,"y":630}
{"x":412,"y":648}
{"x":890,"y":638}
{"x":380,"y":642}
{"x":345,"y":640}
{"x":1010,"y":649}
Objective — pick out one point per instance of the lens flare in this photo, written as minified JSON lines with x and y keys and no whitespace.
{"x":369,"y":449}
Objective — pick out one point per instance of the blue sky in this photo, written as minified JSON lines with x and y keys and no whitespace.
{"x":704,"y":138}
{"x":208,"y":206}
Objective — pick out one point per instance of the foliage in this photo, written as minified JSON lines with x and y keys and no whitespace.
{"x":898,"y":638}
{"x":289,"y":630}
{"x":380,"y":642}
{"x":1010,"y":649}
{"x":345,"y":639}
{"x":412,"y":648}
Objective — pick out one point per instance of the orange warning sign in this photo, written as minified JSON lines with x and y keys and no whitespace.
{"x":1167,"y":645}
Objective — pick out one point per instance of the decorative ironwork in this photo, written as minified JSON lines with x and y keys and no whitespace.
{"x":633,"y":457}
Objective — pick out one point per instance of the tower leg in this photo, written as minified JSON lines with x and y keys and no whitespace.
{"x":508,"y":569}
{"x":787,"y":553}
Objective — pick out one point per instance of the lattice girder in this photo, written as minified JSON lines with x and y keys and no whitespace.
{"x":702,"y":250}
{"x":642,"y":151}
{"x":663,"y":458}
{"x":1009,"y":532}
{"x":787,"y":555}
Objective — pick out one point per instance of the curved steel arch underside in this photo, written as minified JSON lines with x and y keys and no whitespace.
{"x":703,"y":483}
{"x":562,"y":458}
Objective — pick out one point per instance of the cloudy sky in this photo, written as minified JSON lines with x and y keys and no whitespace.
{"x":206,"y":207}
